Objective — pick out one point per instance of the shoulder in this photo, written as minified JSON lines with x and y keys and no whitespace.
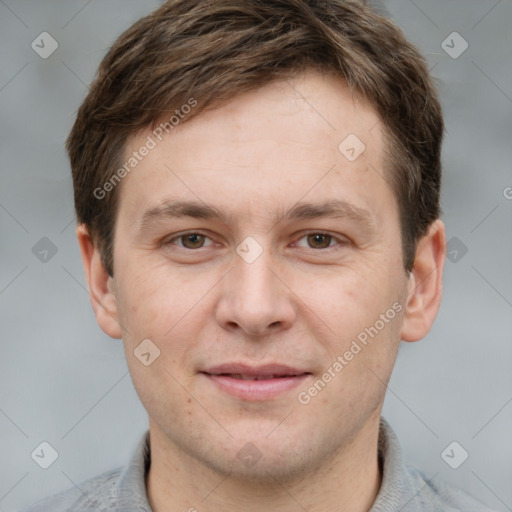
{"x":116,"y":490}
{"x":439,"y":496}
{"x":96,"y":493}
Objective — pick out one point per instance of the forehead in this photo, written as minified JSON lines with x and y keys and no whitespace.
{"x":280,"y":143}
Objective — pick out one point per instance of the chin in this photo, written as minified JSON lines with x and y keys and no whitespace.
{"x":264,"y":461}
{"x":267,"y":470}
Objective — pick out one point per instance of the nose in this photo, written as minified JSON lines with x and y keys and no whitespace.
{"x":255,"y":298}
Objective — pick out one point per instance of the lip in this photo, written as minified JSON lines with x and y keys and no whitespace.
{"x":255,"y":371}
{"x":277,"y":379}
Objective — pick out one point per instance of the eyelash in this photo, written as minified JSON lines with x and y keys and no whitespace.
{"x":340,"y":241}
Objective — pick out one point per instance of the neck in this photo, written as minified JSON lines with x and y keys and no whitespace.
{"x":349,"y":480}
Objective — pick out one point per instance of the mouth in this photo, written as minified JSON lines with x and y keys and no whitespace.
{"x":255,"y":383}
{"x":241,"y":376}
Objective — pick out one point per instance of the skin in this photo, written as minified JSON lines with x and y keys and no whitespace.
{"x":301,"y":302}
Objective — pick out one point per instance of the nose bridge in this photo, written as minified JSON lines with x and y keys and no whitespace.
{"x":254,"y":299}
{"x":254,"y":283}
{"x":254,"y":276}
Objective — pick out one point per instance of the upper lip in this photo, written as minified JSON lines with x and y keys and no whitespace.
{"x":255,"y":371}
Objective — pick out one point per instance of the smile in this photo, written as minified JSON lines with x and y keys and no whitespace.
{"x":255,"y":383}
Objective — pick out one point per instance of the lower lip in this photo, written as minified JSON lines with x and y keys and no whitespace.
{"x":256,"y":389}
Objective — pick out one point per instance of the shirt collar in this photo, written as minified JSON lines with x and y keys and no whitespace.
{"x":394,"y":492}
{"x":130,"y":489}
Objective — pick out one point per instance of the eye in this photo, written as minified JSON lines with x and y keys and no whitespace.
{"x":196,"y":240}
{"x":189,"y":240}
{"x":321,"y":240}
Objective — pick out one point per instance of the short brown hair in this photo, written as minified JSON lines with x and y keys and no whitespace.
{"x":213,"y":50}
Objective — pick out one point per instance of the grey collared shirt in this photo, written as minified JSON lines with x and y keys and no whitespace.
{"x":403,"y":489}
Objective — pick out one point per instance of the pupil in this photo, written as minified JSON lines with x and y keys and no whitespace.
{"x":317,"y":239}
{"x":193,"y":239}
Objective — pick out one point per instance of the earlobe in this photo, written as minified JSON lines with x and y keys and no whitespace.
{"x":100,"y":284}
{"x":425,"y":284}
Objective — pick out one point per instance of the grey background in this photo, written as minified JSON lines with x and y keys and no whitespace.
{"x":65,"y":382}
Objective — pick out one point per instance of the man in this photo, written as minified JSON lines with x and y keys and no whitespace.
{"x":257,"y":194}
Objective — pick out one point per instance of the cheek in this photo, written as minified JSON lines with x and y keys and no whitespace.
{"x":148,"y":297}
{"x":157,"y":307}
{"x":364,"y":318}
{"x":351,"y":296}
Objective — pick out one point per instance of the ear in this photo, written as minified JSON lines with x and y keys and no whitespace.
{"x":101,"y":289}
{"x":425,"y":284}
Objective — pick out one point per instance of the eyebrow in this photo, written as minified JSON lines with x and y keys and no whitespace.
{"x":334,"y":208}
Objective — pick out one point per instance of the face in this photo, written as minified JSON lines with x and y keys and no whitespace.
{"x":261,"y":256}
